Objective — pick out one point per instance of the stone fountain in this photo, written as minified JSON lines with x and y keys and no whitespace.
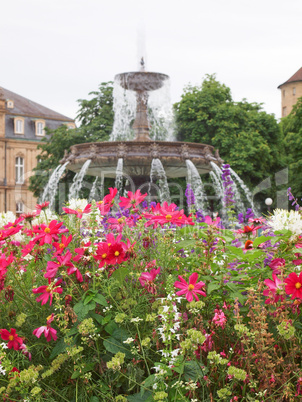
{"x":138,"y":155}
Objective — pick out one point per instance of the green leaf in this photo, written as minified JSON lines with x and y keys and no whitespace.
{"x":237,"y":251}
{"x":94,"y":399}
{"x":120,"y":274}
{"x":58,"y":348}
{"x":212,"y":286}
{"x":111,"y":327}
{"x":260,"y":240}
{"x":100,"y":299}
{"x":113,"y":346}
{"x":99,"y":318}
{"x":192,"y":371}
{"x":140,"y":398}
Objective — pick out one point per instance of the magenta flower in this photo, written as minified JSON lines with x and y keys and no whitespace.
{"x":190,"y":289}
{"x":275,"y":264}
{"x":47,"y":291}
{"x":146,"y":280}
{"x":273,"y":290}
{"x":50,"y":333}
{"x":219,"y":318}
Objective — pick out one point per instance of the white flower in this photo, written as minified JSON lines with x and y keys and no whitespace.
{"x":136,"y":319}
{"x":283,"y":219}
{"x":129,"y":340}
{"x":2,"y":370}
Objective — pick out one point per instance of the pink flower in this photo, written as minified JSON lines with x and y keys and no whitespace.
{"x":273,"y":290}
{"x":47,"y":291}
{"x":146,"y":280}
{"x":219,"y":318}
{"x":48,"y":233}
{"x":275,"y":264}
{"x":78,"y":212}
{"x":14,"y":341}
{"x":294,"y":285}
{"x":132,"y":200}
{"x":50,"y":333}
{"x":63,"y":261}
{"x":208,"y":220}
{"x":60,"y":246}
{"x":190,"y":289}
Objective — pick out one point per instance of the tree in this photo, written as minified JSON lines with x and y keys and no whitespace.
{"x":96,"y":120}
{"x":248,"y":138}
{"x":291,"y":127}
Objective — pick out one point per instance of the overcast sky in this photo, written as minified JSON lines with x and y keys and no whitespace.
{"x":55,"y":52}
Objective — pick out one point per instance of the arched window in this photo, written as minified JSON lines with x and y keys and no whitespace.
{"x":40,"y":125}
{"x":19,"y":165}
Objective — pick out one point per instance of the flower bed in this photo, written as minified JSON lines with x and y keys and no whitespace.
{"x":120,"y":301}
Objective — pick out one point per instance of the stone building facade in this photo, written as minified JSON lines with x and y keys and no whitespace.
{"x":22,"y":126}
{"x":291,"y":91}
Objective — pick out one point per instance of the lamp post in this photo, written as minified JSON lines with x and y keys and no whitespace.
{"x":268,"y":203}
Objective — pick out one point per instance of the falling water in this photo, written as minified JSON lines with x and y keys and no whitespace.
{"x":160,"y":114}
{"x":158,"y":173}
{"x":119,"y":176}
{"x":124,"y":107}
{"x":245,"y":189}
{"x":78,"y":180}
{"x":197,"y":186}
{"x":52,"y":185}
{"x":93,"y":195}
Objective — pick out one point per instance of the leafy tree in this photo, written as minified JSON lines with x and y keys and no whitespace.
{"x":291,"y":126}
{"x":96,"y":119}
{"x":248,"y":138}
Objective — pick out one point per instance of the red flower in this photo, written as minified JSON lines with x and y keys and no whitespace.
{"x":248,"y":245}
{"x":47,"y":291}
{"x":249,"y":229}
{"x":13,"y":339}
{"x":190,"y":289}
{"x":294,"y":285}
{"x":40,"y":207}
{"x":132,"y":200}
{"x":63,"y":261}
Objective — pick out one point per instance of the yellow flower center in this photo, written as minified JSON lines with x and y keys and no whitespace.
{"x":298,"y":285}
{"x":48,"y":318}
{"x":109,"y":244}
{"x":48,"y":289}
{"x":168,"y":216}
{"x":191,"y":287}
{"x":79,"y":210}
{"x":120,"y":220}
{"x":117,"y":253}
{"x":47,"y":230}
{"x":11,"y":338}
{"x":104,"y":255}
{"x":61,"y":245}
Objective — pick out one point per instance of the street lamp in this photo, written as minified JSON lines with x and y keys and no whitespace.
{"x":268,"y":202}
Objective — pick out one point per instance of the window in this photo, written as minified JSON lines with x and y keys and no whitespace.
{"x":19,"y":170}
{"x":284,"y":111}
{"x":19,"y":207}
{"x":294,"y":91}
{"x":10,"y":104}
{"x":19,"y":125}
{"x":40,"y":125}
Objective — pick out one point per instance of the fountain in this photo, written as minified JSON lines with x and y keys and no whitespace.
{"x":141,"y":157}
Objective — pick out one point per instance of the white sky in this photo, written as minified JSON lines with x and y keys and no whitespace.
{"x":55,"y":52}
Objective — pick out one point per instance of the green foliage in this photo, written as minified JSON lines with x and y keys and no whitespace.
{"x":291,"y":126}
{"x":96,"y":119}
{"x":248,"y":138}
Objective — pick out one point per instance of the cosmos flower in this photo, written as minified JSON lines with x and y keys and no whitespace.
{"x":50,"y":333}
{"x":147,"y":280}
{"x":133,"y":199}
{"x":48,"y":291}
{"x":274,"y":287}
{"x":14,"y":341}
{"x":190,"y":289}
{"x":294,"y":285}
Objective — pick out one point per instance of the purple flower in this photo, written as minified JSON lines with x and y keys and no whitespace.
{"x":190,"y":196}
{"x":228,"y":198}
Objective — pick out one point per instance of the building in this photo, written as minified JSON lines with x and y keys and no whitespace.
{"x":291,"y":91}
{"x":22,"y":126}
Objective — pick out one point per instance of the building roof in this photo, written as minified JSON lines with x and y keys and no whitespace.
{"x":26,"y":107}
{"x":296,"y":77}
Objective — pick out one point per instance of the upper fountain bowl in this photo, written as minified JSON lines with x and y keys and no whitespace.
{"x":141,"y":80}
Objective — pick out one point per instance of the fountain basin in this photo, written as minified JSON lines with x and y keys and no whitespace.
{"x":138,"y":155}
{"x":141,"y":80}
